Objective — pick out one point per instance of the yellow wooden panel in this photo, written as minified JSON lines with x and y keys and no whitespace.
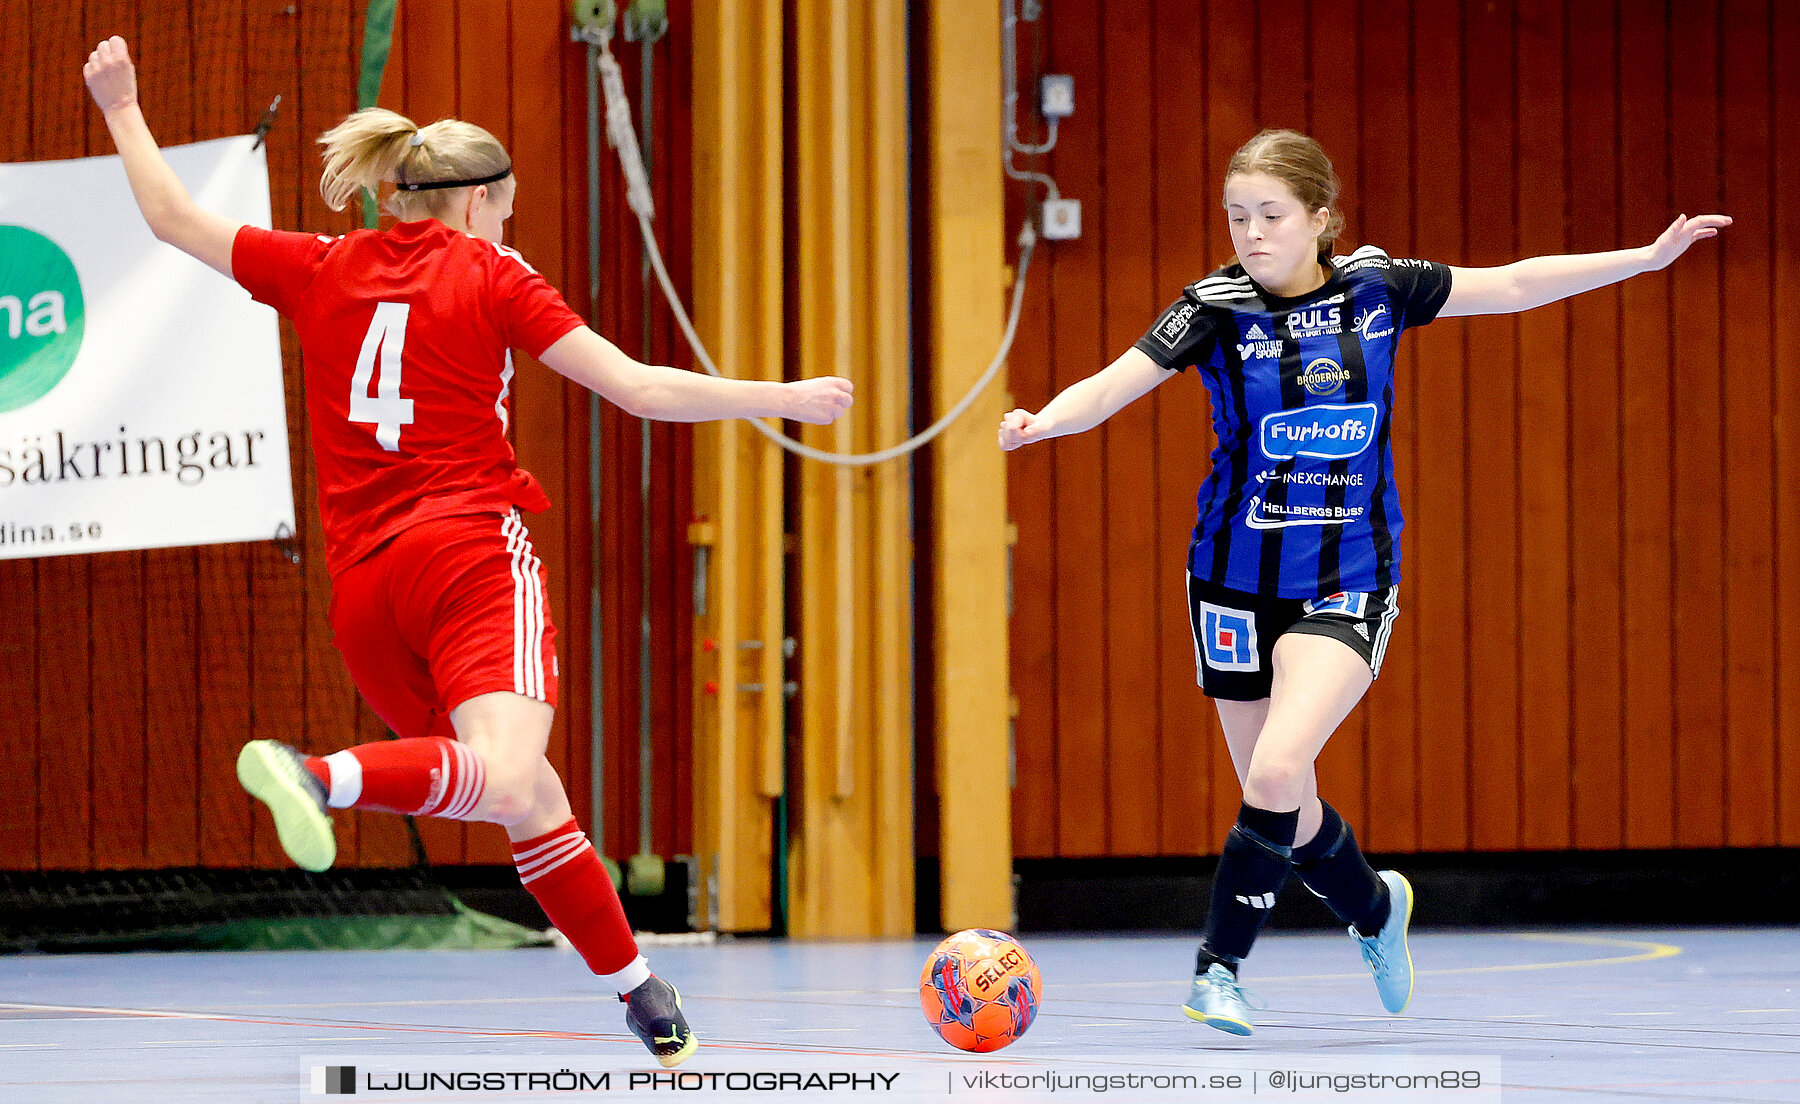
{"x":851,"y":844}
{"x":966,"y":216}
{"x":737,"y":482}
{"x":890,"y":338}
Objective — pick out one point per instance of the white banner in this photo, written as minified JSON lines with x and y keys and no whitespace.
{"x":141,"y":401}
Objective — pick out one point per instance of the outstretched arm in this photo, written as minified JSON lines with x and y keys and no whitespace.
{"x":672,"y":395}
{"x":173,"y":215}
{"x":1086,"y":403}
{"x":1522,"y":285}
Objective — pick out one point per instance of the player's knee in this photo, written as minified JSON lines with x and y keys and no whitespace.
{"x":511,"y":794}
{"x":1276,"y":784}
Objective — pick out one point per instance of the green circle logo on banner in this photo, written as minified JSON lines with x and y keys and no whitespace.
{"x":41,"y":316}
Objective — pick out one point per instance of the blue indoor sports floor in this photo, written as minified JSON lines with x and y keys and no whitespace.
{"x":1638,"y":1015}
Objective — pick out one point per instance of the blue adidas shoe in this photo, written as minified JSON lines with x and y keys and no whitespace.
{"x":1217,"y":1000}
{"x":1386,"y":952}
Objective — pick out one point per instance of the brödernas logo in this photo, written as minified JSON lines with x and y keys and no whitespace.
{"x":42,"y":316}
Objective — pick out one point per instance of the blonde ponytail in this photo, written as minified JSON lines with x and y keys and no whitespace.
{"x":375,"y":145}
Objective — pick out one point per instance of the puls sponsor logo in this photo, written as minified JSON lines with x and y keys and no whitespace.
{"x":1324,"y":377}
{"x":1367,"y":320}
{"x":1315,"y":321}
{"x":1326,"y":432}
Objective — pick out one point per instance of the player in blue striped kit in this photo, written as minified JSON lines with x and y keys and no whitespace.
{"x":1295,"y":561}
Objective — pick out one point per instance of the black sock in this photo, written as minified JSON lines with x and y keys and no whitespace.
{"x":1332,"y":866}
{"x":1251,"y":870}
{"x":1206,"y":959}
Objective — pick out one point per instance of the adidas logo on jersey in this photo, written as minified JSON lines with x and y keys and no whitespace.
{"x":1256,"y":333}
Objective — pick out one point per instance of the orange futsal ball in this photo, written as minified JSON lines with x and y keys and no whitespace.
{"x":979,"y":989}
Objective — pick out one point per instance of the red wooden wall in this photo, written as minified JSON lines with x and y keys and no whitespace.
{"x":1592,"y":652}
{"x":129,"y":680}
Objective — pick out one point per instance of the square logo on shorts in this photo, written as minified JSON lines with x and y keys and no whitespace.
{"x":1228,"y":638}
{"x":1349,"y":604}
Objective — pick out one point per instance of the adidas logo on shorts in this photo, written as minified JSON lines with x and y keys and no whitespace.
{"x":1261,"y":900}
{"x":1362,"y":631}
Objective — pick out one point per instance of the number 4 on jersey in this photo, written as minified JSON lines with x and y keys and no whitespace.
{"x":383,"y":408}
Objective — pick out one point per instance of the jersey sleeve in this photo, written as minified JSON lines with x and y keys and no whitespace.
{"x":276,"y":266}
{"x":1419,"y":289}
{"x":1183,"y":335}
{"x":533,"y":314}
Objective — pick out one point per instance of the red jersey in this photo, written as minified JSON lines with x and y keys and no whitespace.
{"x":407,"y":337}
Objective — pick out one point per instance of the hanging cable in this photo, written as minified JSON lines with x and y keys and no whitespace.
{"x":645,"y":22}
{"x":623,"y":138}
{"x":1009,"y":64}
{"x":594,"y":27}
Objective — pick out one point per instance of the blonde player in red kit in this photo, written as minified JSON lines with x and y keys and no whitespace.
{"x":437,"y":598}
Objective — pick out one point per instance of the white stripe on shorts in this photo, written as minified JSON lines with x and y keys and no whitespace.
{"x":1386,"y":629}
{"x":512,"y":549}
{"x":1187,"y":598}
{"x":528,"y":611}
{"x":534,"y":595}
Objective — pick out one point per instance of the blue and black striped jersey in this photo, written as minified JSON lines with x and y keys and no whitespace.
{"x":1301,"y":502}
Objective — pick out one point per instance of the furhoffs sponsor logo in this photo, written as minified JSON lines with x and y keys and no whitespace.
{"x":1327,"y":432}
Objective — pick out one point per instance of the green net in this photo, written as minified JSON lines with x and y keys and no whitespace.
{"x":200,"y":909}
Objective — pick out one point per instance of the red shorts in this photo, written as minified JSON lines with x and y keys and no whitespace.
{"x":449,"y":609}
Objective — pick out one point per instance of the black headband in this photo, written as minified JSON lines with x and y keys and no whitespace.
{"x":435,"y":184}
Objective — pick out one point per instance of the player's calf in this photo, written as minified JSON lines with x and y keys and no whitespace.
{"x":423,"y":776}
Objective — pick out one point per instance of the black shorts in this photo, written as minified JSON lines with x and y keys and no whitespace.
{"x":1235,"y":632}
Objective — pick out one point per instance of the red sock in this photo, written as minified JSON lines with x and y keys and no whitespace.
{"x":423,"y":776}
{"x":562,"y":871}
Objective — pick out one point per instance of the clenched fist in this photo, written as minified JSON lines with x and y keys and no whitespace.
{"x":819,"y":401}
{"x":1021,"y":427}
{"x":111,"y":77}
